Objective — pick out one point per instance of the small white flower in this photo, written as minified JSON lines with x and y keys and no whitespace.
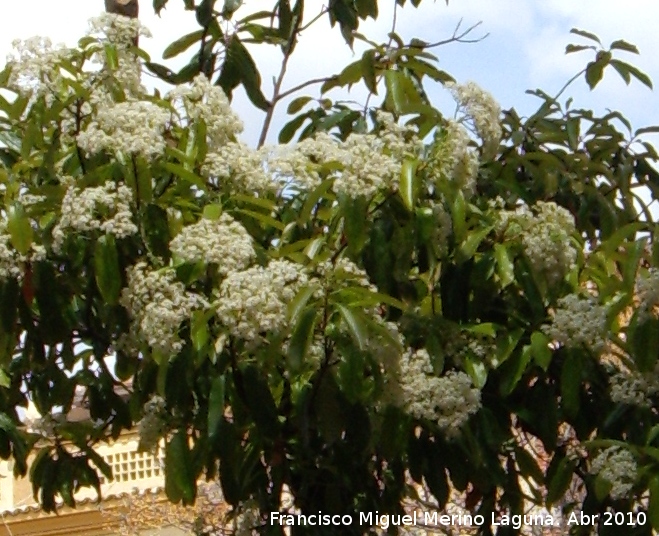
{"x":482,"y":112}
{"x":256,"y":300}
{"x":579,"y":322}
{"x":104,"y":208}
{"x":224,"y":242}
{"x":618,"y":467}
{"x":130,"y":128}
{"x":448,"y":400}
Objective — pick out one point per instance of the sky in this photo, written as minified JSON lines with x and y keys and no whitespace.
{"x":524,"y":47}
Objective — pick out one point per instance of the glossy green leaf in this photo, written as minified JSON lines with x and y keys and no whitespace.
{"x":408,"y":188}
{"x":107,"y":270}
{"x":20,"y":230}
{"x":301,"y":337}
{"x":653,"y":507}
{"x":571,"y":384}
{"x":297,"y":104}
{"x":355,"y":324}
{"x":621,"y":44}
{"x":505,"y":267}
{"x":182,"y":44}
{"x":180,"y":483}
{"x":594,"y":73}
{"x":540,"y":348}
{"x":216,"y":407}
{"x":368,"y":71}
{"x":587,"y":35}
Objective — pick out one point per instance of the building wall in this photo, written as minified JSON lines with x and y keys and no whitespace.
{"x":134,"y":473}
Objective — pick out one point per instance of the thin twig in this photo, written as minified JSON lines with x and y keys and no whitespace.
{"x":292,"y":90}
{"x":458,"y":38}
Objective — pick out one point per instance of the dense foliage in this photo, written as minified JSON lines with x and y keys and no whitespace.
{"x":400,"y":296}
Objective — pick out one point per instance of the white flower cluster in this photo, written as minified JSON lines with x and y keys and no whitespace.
{"x":448,"y":400}
{"x":545,"y":232}
{"x":130,"y":128}
{"x":241,"y":166}
{"x":618,"y":467}
{"x":11,"y":261}
{"x":202,"y":100}
{"x":300,"y":163}
{"x":119,"y":30}
{"x":579,"y":322}
{"x":635,"y":388}
{"x":400,"y":141}
{"x":256,"y":300}
{"x":343,"y":273}
{"x":158,"y":304}
{"x":36,"y":66}
{"x":443,"y":227}
{"x":153,"y":425}
{"x":224,"y":242}
{"x":451,"y":158}
{"x":366,"y":168}
{"x":482,"y":112}
{"x":647,"y":291}
{"x":104,"y":208}
{"x":360,"y":166}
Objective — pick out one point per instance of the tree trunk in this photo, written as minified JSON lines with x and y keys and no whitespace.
{"x":127,"y":8}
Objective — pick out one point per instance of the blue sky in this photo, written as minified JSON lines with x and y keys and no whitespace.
{"x":524,"y":48}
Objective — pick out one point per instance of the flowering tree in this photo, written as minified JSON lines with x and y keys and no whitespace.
{"x":398,"y":297}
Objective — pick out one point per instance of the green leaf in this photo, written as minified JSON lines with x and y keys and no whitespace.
{"x":216,"y":407}
{"x":240,"y":67}
{"x":267,"y":221}
{"x":505,"y":267}
{"x":20,"y":229}
{"x":297,"y":104}
{"x":647,"y":130}
{"x":111,"y":59}
{"x":368,"y":71}
{"x":569,"y":49}
{"x":620,"y":44}
{"x":106,"y":269}
{"x":639,"y":75}
{"x":355,"y":217}
{"x":212,"y":212}
{"x":585,"y":34}
{"x":470,"y":245}
{"x":594,"y":73}
{"x":560,"y":481}
{"x":653,"y":507}
{"x":645,"y":342}
{"x":571,"y":385}
{"x":408,"y":188}
{"x":182,"y":44}
{"x":179,"y":478}
{"x":299,"y":303}
{"x":204,"y":12}
{"x":459,"y":216}
{"x":289,"y":129}
{"x":260,"y":403}
{"x":513,"y":370}
{"x":162,"y":72}
{"x":355,"y":324}
{"x":623,"y":71}
{"x":302,"y":337}
{"x":540,"y":349}
{"x":401,"y":92}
